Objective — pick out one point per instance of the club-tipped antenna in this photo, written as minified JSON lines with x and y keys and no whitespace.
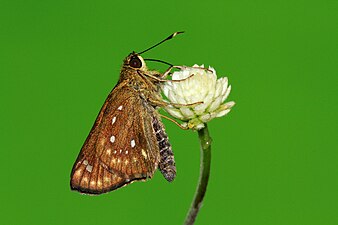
{"x":160,"y":61}
{"x":168,"y":38}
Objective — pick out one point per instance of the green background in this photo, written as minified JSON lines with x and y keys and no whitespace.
{"x":274,"y":156}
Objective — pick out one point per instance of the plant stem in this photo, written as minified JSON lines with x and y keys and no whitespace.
{"x":205,"y":142}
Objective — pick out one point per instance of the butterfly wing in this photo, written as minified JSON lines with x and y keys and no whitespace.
{"x":121,"y":147}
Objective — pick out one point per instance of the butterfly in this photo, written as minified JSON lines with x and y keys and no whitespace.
{"x":128,"y":141}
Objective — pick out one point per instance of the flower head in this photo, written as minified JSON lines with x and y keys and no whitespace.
{"x":201,"y":86}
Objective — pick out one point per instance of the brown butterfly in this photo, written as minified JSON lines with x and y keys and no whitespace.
{"x":127,"y":142}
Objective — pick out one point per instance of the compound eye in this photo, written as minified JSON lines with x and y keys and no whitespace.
{"x":135,"y":62}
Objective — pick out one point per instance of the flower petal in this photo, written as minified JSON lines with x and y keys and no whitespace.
{"x":199,"y":126}
{"x":223,"y":113}
{"x":187,"y":113}
{"x":175,"y":113}
{"x":226,"y":93}
{"x":172,"y":97}
{"x":205,"y":118}
{"x":219,"y":88}
{"x":200,"y":108}
{"x":215,"y":104}
{"x":229,"y":104}
{"x":225,"y":85}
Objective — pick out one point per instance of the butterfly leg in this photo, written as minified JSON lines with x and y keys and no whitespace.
{"x":161,"y":103}
{"x":182,"y":126}
{"x":168,"y":71}
{"x":193,"y":67}
{"x":159,"y":79}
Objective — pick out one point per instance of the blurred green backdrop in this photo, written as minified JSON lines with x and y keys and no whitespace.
{"x":274,"y":156}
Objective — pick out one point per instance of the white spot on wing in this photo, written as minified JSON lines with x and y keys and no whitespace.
{"x":126,"y":151}
{"x":144,"y":153}
{"x":113,"y":120}
{"x":120,"y":107}
{"x":85,"y":162}
{"x":89,"y":168}
{"x":112,"y":139}
{"x":132,"y":143}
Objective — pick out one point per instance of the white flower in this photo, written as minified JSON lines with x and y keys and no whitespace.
{"x":198,"y":85}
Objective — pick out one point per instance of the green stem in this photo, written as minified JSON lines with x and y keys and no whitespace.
{"x":205,"y":142}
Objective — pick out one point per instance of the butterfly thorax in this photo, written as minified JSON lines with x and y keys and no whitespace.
{"x":135,"y":74}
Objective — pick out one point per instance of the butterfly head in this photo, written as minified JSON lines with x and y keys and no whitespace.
{"x":134,"y":61}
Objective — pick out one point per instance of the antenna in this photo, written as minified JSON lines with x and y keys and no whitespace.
{"x":160,"y":61}
{"x":168,"y":38}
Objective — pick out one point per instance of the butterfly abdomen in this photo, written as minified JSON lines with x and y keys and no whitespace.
{"x":167,"y":161}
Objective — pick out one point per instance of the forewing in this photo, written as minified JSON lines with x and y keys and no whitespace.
{"x":121,"y":147}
